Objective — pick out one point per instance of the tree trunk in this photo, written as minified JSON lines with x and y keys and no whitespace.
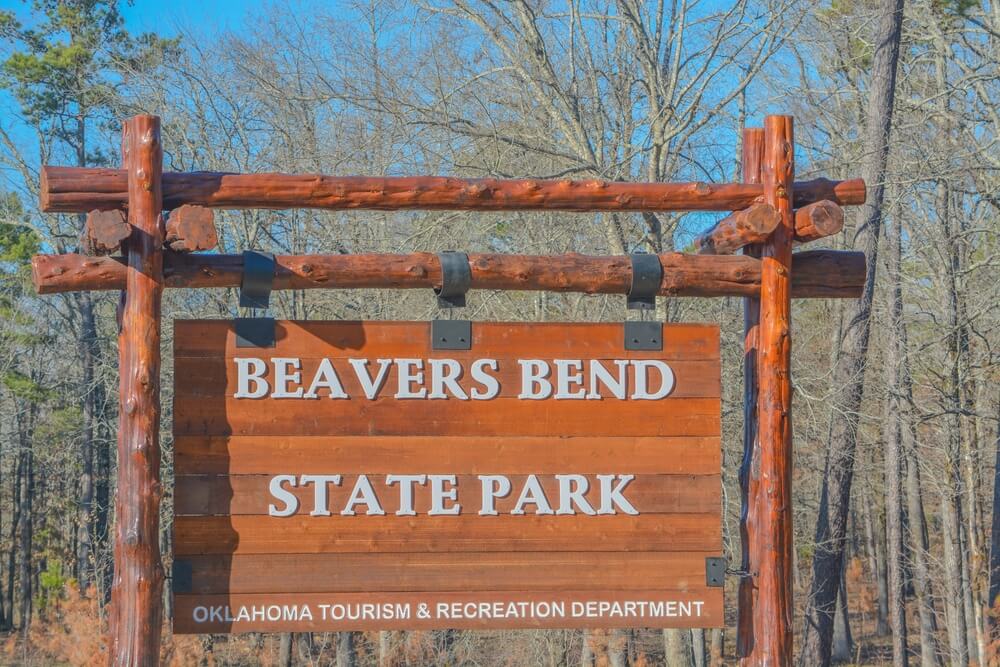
{"x":919,"y":540}
{"x":848,"y":376}
{"x":842,"y":649}
{"x":617,"y":642}
{"x":698,"y":647}
{"x":88,"y":351}
{"x":345,"y":649}
{"x":384,"y":648}
{"x":994,"y":587}
{"x":954,"y":606}
{"x":587,"y":650}
{"x":874,"y":549}
{"x":716,"y":656}
{"x":893,"y":435}
{"x":285,"y":649}
{"x":27,"y":524}
{"x":677,"y":647}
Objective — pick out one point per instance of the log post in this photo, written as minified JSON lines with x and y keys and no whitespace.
{"x":753,"y":157}
{"x":136,"y":594}
{"x":773,"y":525}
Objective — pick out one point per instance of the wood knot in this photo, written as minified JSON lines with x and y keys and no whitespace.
{"x":702,"y":188}
{"x":307,"y":268}
{"x":130,"y":406}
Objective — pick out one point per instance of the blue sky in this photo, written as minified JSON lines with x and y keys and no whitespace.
{"x":162,"y":17}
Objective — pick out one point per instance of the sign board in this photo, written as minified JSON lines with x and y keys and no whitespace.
{"x":354,"y":478}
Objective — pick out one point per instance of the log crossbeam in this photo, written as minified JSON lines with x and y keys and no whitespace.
{"x":821,"y":273}
{"x":80,"y":189}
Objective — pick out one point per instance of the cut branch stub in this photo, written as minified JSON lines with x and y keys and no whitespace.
{"x":104,"y":232}
{"x":751,"y":225}
{"x":191,"y":228}
{"x":818,"y":220}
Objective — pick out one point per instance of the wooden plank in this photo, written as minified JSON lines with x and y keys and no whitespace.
{"x":475,"y":455}
{"x":495,"y":340}
{"x":343,"y":534}
{"x":670,"y":417}
{"x":216,"y":377}
{"x":446,"y":572}
{"x":652,"y":609}
{"x":249,"y":495}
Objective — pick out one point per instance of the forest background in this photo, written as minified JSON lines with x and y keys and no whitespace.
{"x":897,"y":395}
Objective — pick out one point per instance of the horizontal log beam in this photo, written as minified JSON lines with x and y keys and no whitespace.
{"x":75,"y":189}
{"x":820,"y":273}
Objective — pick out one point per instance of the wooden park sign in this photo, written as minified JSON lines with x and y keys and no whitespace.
{"x":343,"y":500}
{"x":353,"y":477}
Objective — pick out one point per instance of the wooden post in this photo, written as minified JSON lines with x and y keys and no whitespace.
{"x":753,"y":157}
{"x":772,"y":539}
{"x":136,"y":594}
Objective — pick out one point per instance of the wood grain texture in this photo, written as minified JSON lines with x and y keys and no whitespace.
{"x":818,"y":220}
{"x":304,"y":534}
{"x":475,"y":455}
{"x":825,"y":273}
{"x":103,"y":233}
{"x":494,"y":340}
{"x":191,"y":228}
{"x":387,"y":416}
{"x":227,"y":451}
{"x":447,"y":572}
{"x":773,"y":523}
{"x":77,"y":189}
{"x":740,"y":228}
{"x":222,"y":495}
{"x":136,"y":592}
{"x":712,"y":612}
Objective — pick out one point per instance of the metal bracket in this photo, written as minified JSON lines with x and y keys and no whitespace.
{"x":456,"y":277}
{"x":715,"y":571}
{"x":647,"y":274}
{"x":255,"y":292}
{"x":451,"y":335}
{"x":181,"y":580}
{"x":642,"y":335}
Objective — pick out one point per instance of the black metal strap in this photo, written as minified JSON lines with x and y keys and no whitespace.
{"x":255,"y":292}
{"x":258,"y":278}
{"x":456,"y":277}
{"x":647,"y":274}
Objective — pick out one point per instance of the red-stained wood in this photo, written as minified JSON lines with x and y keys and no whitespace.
{"x":77,"y":189}
{"x":198,"y":495}
{"x":818,"y":220}
{"x":818,"y":274}
{"x":413,"y":455}
{"x":741,"y":228}
{"x":678,"y":611}
{"x":447,"y":572}
{"x":104,"y":232}
{"x":191,"y":228}
{"x":548,"y":340}
{"x":772,"y":528}
{"x":136,"y":592}
{"x":387,"y":416}
{"x":303,"y":534}
{"x":753,"y":158}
